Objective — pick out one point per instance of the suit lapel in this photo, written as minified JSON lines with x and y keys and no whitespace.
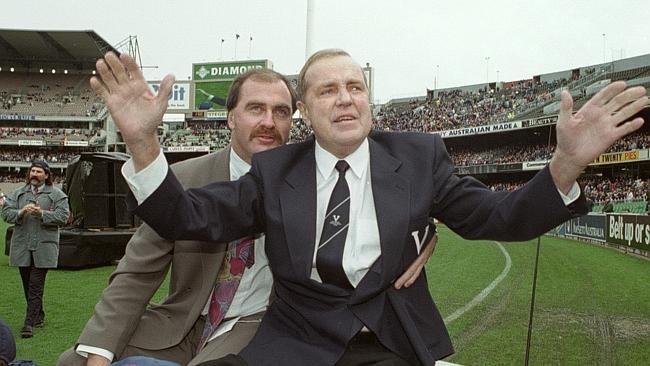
{"x":391,"y":194}
{"x":221,"y":166}
{"x":298,"y":205}
{"x":217,"y":170}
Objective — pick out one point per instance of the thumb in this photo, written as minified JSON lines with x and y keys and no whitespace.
{"x":165,"y":91}
{"x":566,"y":106}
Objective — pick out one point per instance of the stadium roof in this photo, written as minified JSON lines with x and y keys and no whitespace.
{"x":30,"y":47}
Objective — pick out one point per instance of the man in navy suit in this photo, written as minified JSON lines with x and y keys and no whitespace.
{"x":346,"y":311}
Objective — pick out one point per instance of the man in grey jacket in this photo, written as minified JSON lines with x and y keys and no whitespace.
{"x":37,"y":210}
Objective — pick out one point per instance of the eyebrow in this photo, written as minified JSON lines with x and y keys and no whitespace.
{"x":260,"y":103}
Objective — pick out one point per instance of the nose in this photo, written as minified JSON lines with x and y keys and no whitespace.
{"x":267,"y":120}
{"x":344,"y":97}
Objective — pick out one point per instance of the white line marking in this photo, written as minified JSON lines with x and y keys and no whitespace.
{"x":486,"y":291}
{"x":337,"y":206}
{"x":333,"y":236}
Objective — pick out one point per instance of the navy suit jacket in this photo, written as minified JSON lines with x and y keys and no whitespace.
{"x":310,"y":323}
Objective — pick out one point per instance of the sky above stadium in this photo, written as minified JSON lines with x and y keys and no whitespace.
{"x":411,"y":44}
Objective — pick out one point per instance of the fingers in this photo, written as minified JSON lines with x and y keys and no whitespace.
{"x":629,"y":127}
{"x":607,"y":93}
{"x":117,"y":68}
{"x":106,"y":75}
{"x":165,"y":88}
{"x":625,"y":98}
{"x":414,"y":270}
{"x":134,"y":71}
{"x":411,"y":274}
{"x":629,"y":110}
{"x":113,"y":72}
{"x":99,"y":88}
{"x":566,"y":106}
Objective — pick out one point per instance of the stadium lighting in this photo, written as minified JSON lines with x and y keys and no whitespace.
{"x":11,"y":69}
{"x":41,"y":71}
{"x":94,"y":72}
{"x":65,"y":71}
{"x":53,"y":71}
{"x":0,"y":68}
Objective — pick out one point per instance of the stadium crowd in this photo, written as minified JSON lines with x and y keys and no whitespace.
{"x":501,"y":155}
{"x":15,"y":133}
{"x":27,"y":155}
{"x":57,"y":98}
{"x":215,"y":135}
{"x":456,"y":109}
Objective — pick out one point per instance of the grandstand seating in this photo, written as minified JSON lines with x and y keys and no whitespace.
{"x":47,"y":94}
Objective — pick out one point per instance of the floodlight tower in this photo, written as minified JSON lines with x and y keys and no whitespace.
{"x":131,"y":46}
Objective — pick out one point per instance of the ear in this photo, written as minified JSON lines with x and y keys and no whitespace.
{"x":231,"y":121}
{"x":304,"y":112}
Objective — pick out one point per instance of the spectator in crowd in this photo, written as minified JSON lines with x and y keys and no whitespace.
{"x":37,"y":210}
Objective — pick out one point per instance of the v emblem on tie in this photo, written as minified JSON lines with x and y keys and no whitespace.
{"x":335,"y":220}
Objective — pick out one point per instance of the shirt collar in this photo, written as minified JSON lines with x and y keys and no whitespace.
{"x":238,"y":166}
{"x":358,"y":160}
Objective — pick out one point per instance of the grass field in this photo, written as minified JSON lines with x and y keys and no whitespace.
{"x":592,"y":304}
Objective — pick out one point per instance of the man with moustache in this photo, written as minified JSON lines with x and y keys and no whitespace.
{"x":37,"y":210}
{"x":260,"y":107}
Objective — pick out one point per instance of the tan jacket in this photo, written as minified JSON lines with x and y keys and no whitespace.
{"x":123,"y":316}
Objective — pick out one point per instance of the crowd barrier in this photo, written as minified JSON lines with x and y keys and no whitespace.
{"x":627,"y":232}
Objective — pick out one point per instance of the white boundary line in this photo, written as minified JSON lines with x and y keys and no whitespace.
{"x":486,"y":291}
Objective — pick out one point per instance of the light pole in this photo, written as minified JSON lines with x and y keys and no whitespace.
{"x":236,"y":39}
{"x":435,"y":84}
{"x":604,"y":55}
{"x":487,"y":70}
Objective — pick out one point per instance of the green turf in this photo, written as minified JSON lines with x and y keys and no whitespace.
{"x":591,"y":307}
{"x":591,"y":304}
{"x":70,"y":297}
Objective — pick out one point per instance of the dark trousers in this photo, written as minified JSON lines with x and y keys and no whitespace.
{"x":363,"y":350}
{"x":33,"y":287}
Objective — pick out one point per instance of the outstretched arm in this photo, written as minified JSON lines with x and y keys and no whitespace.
{"x":588,"y":133}
{"x":134,"y":108}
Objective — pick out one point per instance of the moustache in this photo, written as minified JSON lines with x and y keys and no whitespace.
{"x":263,"y":131}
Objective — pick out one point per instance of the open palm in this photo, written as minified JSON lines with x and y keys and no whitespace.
{"x":134,"y":108}
{"x":582,"y":137}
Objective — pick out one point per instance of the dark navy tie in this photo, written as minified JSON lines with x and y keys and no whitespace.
{"x":329,"y":259}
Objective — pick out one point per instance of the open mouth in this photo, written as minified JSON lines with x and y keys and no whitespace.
{"x":345,"y":118}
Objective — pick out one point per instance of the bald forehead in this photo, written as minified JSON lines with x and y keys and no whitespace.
{"x":332,"y":69}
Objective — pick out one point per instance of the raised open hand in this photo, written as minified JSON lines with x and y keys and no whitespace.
{"x":582,"y":137}
{"x":137,"y":112}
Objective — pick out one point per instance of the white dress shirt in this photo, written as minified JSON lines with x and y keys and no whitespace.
{"x":362,"y":241}
{"x":255,"y":286}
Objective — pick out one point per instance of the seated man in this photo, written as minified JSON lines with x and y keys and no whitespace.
{"x":343,"y":213}
{"x":260,"y":107}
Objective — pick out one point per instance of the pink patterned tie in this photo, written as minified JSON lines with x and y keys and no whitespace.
{"x":240,"y":255}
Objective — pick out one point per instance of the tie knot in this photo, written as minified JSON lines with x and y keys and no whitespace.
{"x":341,"y":166}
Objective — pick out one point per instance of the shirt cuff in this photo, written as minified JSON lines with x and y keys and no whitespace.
{"x":147,"y":180}
{"x":572,"y":196}
{"x":83,"y":350}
